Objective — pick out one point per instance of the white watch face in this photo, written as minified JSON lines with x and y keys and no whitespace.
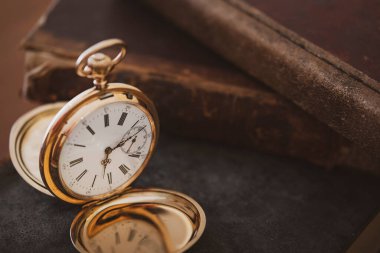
{"x":105,"y":149}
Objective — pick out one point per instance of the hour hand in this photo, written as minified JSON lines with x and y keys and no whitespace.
{"x":106,"y":160}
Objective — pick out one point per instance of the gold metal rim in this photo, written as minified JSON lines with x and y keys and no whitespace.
{"x":69,"y":116}
{"x":18,"y":131}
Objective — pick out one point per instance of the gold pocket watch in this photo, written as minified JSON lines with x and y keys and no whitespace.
{"x":89,"y":150}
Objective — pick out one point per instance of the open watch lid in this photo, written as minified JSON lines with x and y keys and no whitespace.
{"x":25,"y":141}
{"x":141,"y":220}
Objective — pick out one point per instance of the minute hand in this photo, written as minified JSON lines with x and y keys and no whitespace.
{"x":130,"y":137}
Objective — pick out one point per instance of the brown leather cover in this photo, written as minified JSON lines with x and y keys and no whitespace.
{"x":336,"y":93}
{"x":348,"y":29}
{"x":197,"y":94}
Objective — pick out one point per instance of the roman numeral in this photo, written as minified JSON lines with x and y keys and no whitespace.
{"x":122,"y":118}
{"x":76,"y":161}
{"x":106,"y":120}
{"x":131,"y":235}
{"x":124,"y":168}
{"x":81,"y":175}
{"x":134,"y":155}
{"x":93,"y":181}
{"x":109,"y":176}
{"x":90,"y":130}
{"x":98,"y":250}
{"x":117,"y":238}
{"x":78,"y":145}
{"x":144,"y":238}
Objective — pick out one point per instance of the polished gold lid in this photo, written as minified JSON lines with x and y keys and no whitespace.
{"x":26,"y":137}
{"x":140,"y":220}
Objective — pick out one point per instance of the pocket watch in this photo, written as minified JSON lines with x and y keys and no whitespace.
{"x":89,"y":151}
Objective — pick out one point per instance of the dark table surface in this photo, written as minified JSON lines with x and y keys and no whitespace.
{"x":253,"y":202}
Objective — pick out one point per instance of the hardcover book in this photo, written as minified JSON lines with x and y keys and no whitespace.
{"x":197,"y":93}
{"x":323,"y":83}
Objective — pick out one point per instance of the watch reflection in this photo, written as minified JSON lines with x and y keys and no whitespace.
{"x":131,"y":230}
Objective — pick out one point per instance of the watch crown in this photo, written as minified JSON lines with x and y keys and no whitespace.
{"x":96,"y":65}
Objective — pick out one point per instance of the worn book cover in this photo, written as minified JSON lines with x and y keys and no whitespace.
{"x":322,"y":55}
{"x":197,"y":93}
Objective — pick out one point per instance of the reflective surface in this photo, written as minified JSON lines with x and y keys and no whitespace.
{"x":141,"y":220}
{"x":25,"y":143}
{"x":129,"y":235}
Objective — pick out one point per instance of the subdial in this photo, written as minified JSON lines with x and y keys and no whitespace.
{"x":137,"y":138}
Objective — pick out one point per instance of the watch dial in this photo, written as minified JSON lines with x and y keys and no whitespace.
{"x":105,"y":149}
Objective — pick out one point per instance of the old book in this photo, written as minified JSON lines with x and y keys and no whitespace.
{"x":197,"y":94}
{"x":341,"y":96}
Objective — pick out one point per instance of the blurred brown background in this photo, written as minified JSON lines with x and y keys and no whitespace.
{"x":17,"y":17}
{"x":270,"y":202}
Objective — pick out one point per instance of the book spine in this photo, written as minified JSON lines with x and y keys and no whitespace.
{"x":200,"y":109}
{"x":340,"y":96}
